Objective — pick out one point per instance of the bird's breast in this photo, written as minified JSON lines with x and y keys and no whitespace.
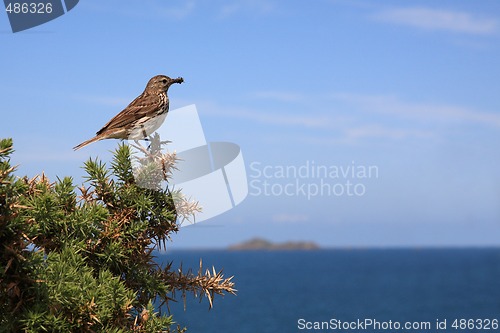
{"x":164,"y":104}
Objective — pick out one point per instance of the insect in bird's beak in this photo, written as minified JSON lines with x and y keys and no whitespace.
{"x":178,"y":80}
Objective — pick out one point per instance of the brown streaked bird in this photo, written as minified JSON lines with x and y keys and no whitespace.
{"x":140,"y":118}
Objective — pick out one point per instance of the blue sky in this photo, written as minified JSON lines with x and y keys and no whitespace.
{"x":409,"y":87}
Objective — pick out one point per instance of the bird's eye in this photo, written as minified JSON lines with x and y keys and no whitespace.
{"x":164,"y":81}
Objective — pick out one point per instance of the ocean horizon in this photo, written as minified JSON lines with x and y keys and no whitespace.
{"x":321,"y":290}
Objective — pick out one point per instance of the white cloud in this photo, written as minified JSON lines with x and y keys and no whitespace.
{"x":419,"y":111}
{"x":425,"y":113}
{"x":268,"y":117}
{"x":352,"y":118}
{"x":379,"y":131}
{"x":325,"y":128}
{"x":435,"y":19}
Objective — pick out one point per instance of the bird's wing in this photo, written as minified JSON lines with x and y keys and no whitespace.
{"x":142,"y":106}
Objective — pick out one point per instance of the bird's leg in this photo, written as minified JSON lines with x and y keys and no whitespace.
{"x":144,"y":134}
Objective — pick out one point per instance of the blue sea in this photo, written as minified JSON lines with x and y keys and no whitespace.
{"x":320,"y":291}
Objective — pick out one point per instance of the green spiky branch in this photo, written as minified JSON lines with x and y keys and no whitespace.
{"x":80,"y":259}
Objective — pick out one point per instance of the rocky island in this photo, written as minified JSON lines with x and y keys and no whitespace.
{"x":262,"y":244}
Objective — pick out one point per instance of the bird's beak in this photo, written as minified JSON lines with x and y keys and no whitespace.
{"x":178,"y":80}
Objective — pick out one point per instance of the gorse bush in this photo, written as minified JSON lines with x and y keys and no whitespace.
{"x":81,"y":259}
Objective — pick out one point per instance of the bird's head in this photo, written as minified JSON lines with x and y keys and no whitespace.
{"x":162,"y":83}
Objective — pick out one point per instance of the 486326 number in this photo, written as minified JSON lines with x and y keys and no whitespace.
{"x":29,"y":8}
{"x":475,"y":324}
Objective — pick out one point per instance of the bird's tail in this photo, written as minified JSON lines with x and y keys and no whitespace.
{"x":84,"y":143}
